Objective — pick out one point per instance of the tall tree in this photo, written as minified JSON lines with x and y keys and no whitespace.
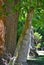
{"x":22,"y":50}
{"x":11,"y":26}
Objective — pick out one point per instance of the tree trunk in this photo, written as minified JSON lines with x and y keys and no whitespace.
{"x":2,"y":29}
{"x":11,"y":27}
{"x":23,"y":43}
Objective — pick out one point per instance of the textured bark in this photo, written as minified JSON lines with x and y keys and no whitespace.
{"x":23,"y":43}
{"x":2,"y":30}
{"x":11,"y":27}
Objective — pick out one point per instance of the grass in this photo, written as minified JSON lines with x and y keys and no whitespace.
{"x":36,"y":61}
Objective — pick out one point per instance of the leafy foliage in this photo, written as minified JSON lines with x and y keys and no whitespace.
{"x":38,"y":21}
{"x":37,"y":40}
{"x":37,"y":37}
